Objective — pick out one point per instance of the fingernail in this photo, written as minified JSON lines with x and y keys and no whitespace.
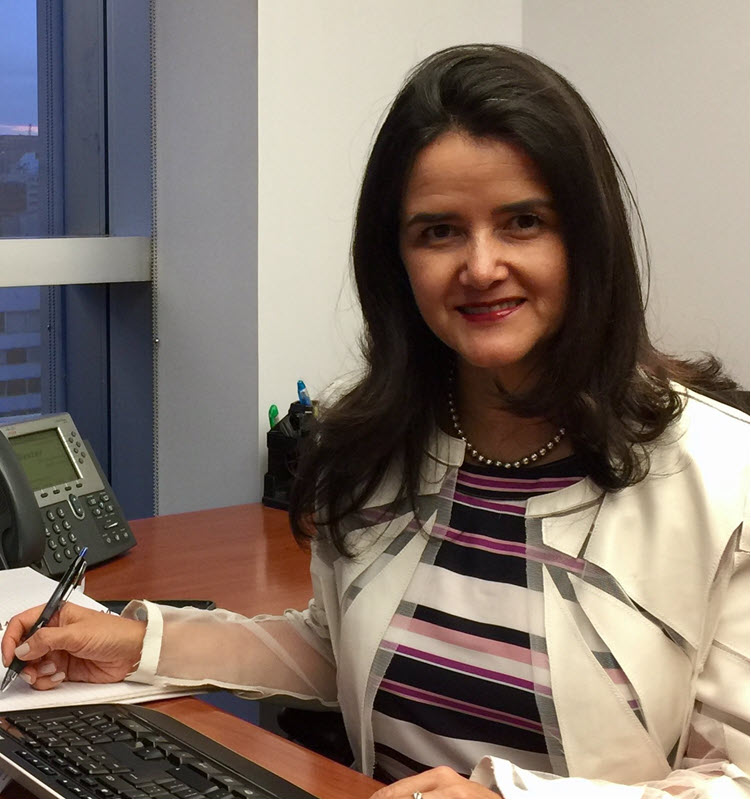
{"x":26,"y":677}
{"x":46,"y":669}
{"x":23,"y":649}
{"x":57,"y":677}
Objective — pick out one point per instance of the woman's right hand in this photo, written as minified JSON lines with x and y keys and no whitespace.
{"x":79,"y":644}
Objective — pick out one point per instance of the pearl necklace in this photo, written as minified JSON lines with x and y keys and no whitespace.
{"x":522,"y":462}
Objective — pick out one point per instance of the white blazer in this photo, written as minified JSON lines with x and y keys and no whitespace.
{"x":665,"y":586}
{"x":675,"y":545}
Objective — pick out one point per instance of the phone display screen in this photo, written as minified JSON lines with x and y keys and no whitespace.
{"x":44,"y":458}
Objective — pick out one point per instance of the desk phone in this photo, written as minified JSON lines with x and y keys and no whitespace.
{"x":59,"y":499}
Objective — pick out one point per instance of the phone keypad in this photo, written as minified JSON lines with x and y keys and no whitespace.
{"x":110,"y":524}
{"x":63,"y":543}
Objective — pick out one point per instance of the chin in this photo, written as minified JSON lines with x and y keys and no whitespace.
{"x":494,"y":361}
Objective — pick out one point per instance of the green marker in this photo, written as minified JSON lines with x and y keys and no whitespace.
{"x":273,"y":415}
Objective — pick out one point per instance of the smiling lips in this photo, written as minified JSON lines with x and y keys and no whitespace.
{"x":490,"y":312}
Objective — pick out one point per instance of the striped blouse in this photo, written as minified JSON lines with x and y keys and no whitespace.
{"x":467,"y":670}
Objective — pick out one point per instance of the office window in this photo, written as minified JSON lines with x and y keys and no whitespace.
{"x":19,"y":121}
{"x":75,"y":180}
{"x":22,"y":310}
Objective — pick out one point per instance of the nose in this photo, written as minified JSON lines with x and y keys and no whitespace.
{"x":485,"y":262}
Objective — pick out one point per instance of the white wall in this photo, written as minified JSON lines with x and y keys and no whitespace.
{"x":669,"y":80}
{"x":206,"y":193}
{"x":327,"y":72}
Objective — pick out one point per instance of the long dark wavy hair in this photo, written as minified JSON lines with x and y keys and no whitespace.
{"x":602,"y":378}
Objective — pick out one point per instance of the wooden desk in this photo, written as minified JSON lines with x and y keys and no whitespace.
{"x":244,"y":559}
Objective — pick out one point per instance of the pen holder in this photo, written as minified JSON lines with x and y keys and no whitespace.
{"x":283,"y":443}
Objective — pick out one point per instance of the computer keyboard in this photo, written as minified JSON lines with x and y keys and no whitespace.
{"x":125,"y":751}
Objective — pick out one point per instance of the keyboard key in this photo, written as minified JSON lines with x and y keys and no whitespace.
{"x":136,"y":727}
{"x":185,"y":791}
{"x":93,"y":718}
{"x":109,"y":728}
{"x":207,"y":769}
{"x":186,"y":774}
{"x":120,"y":787}
{"x":166,"y":781}
{"x":149,"y":753}
{"x":154,"y":739}
{"x":71,"y":787}
{"x":31,"y":727}
{"x":26,"y":756}
{"x":228,"y":782}
{"x":152,"y":789}
{"x":21,"y":718}
{"x":50,"y":740}
{"x":115,"y":767}
{"x":91,"y":767}
{"x":92,"y":752}
{"x":181,"y":757}
{"x":141,"y":781}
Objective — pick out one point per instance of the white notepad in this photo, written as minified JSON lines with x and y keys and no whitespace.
{"x":23,"y":588}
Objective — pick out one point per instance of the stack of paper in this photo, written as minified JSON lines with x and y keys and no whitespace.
{"x":23,"y":588}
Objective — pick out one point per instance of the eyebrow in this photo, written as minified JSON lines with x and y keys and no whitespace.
{"x":520,"y":206}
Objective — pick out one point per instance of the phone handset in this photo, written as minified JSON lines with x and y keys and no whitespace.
{"x":22,"y":537}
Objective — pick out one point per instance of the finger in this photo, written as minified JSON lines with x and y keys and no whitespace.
{"x":47,"y":668}
{"x":406,"y":787}
{"x":45,"y":682}
{"x":44,"y":641}
{"x":431,"y":783}
{"x":32,"y":676}
{"x":16,"y":631}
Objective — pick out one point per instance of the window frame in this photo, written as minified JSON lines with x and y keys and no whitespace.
{"x":96,"y":289}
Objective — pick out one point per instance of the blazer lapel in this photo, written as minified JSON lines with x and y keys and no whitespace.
{"x":600,"y":733}
{"x":371,"y":599}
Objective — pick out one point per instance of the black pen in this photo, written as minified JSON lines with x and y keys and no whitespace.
{"x":68,"y":583}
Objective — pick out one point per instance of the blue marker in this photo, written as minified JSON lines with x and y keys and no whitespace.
{"x":302,"y":394}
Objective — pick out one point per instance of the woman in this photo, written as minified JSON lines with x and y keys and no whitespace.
{"x":527,"y":548}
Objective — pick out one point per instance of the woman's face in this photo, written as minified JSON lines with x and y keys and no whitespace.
{"x":483,"y":249}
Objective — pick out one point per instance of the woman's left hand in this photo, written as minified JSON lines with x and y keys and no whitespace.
{"x":438,"y":782}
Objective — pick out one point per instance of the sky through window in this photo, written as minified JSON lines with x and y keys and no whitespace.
{"x":18,"y":67}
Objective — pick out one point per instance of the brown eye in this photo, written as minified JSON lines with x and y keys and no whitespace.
{"x":527,"y":221}
{"x":442,"y":231}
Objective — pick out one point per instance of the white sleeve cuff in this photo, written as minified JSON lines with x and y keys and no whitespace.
{"x":515,"y":783}
{"x":150,"y":613}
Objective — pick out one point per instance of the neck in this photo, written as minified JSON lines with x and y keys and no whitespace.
{"x":497,"y":433}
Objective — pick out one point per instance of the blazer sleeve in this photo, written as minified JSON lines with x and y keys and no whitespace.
{"x":289,"y":654}
{"x":716,"y":760}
